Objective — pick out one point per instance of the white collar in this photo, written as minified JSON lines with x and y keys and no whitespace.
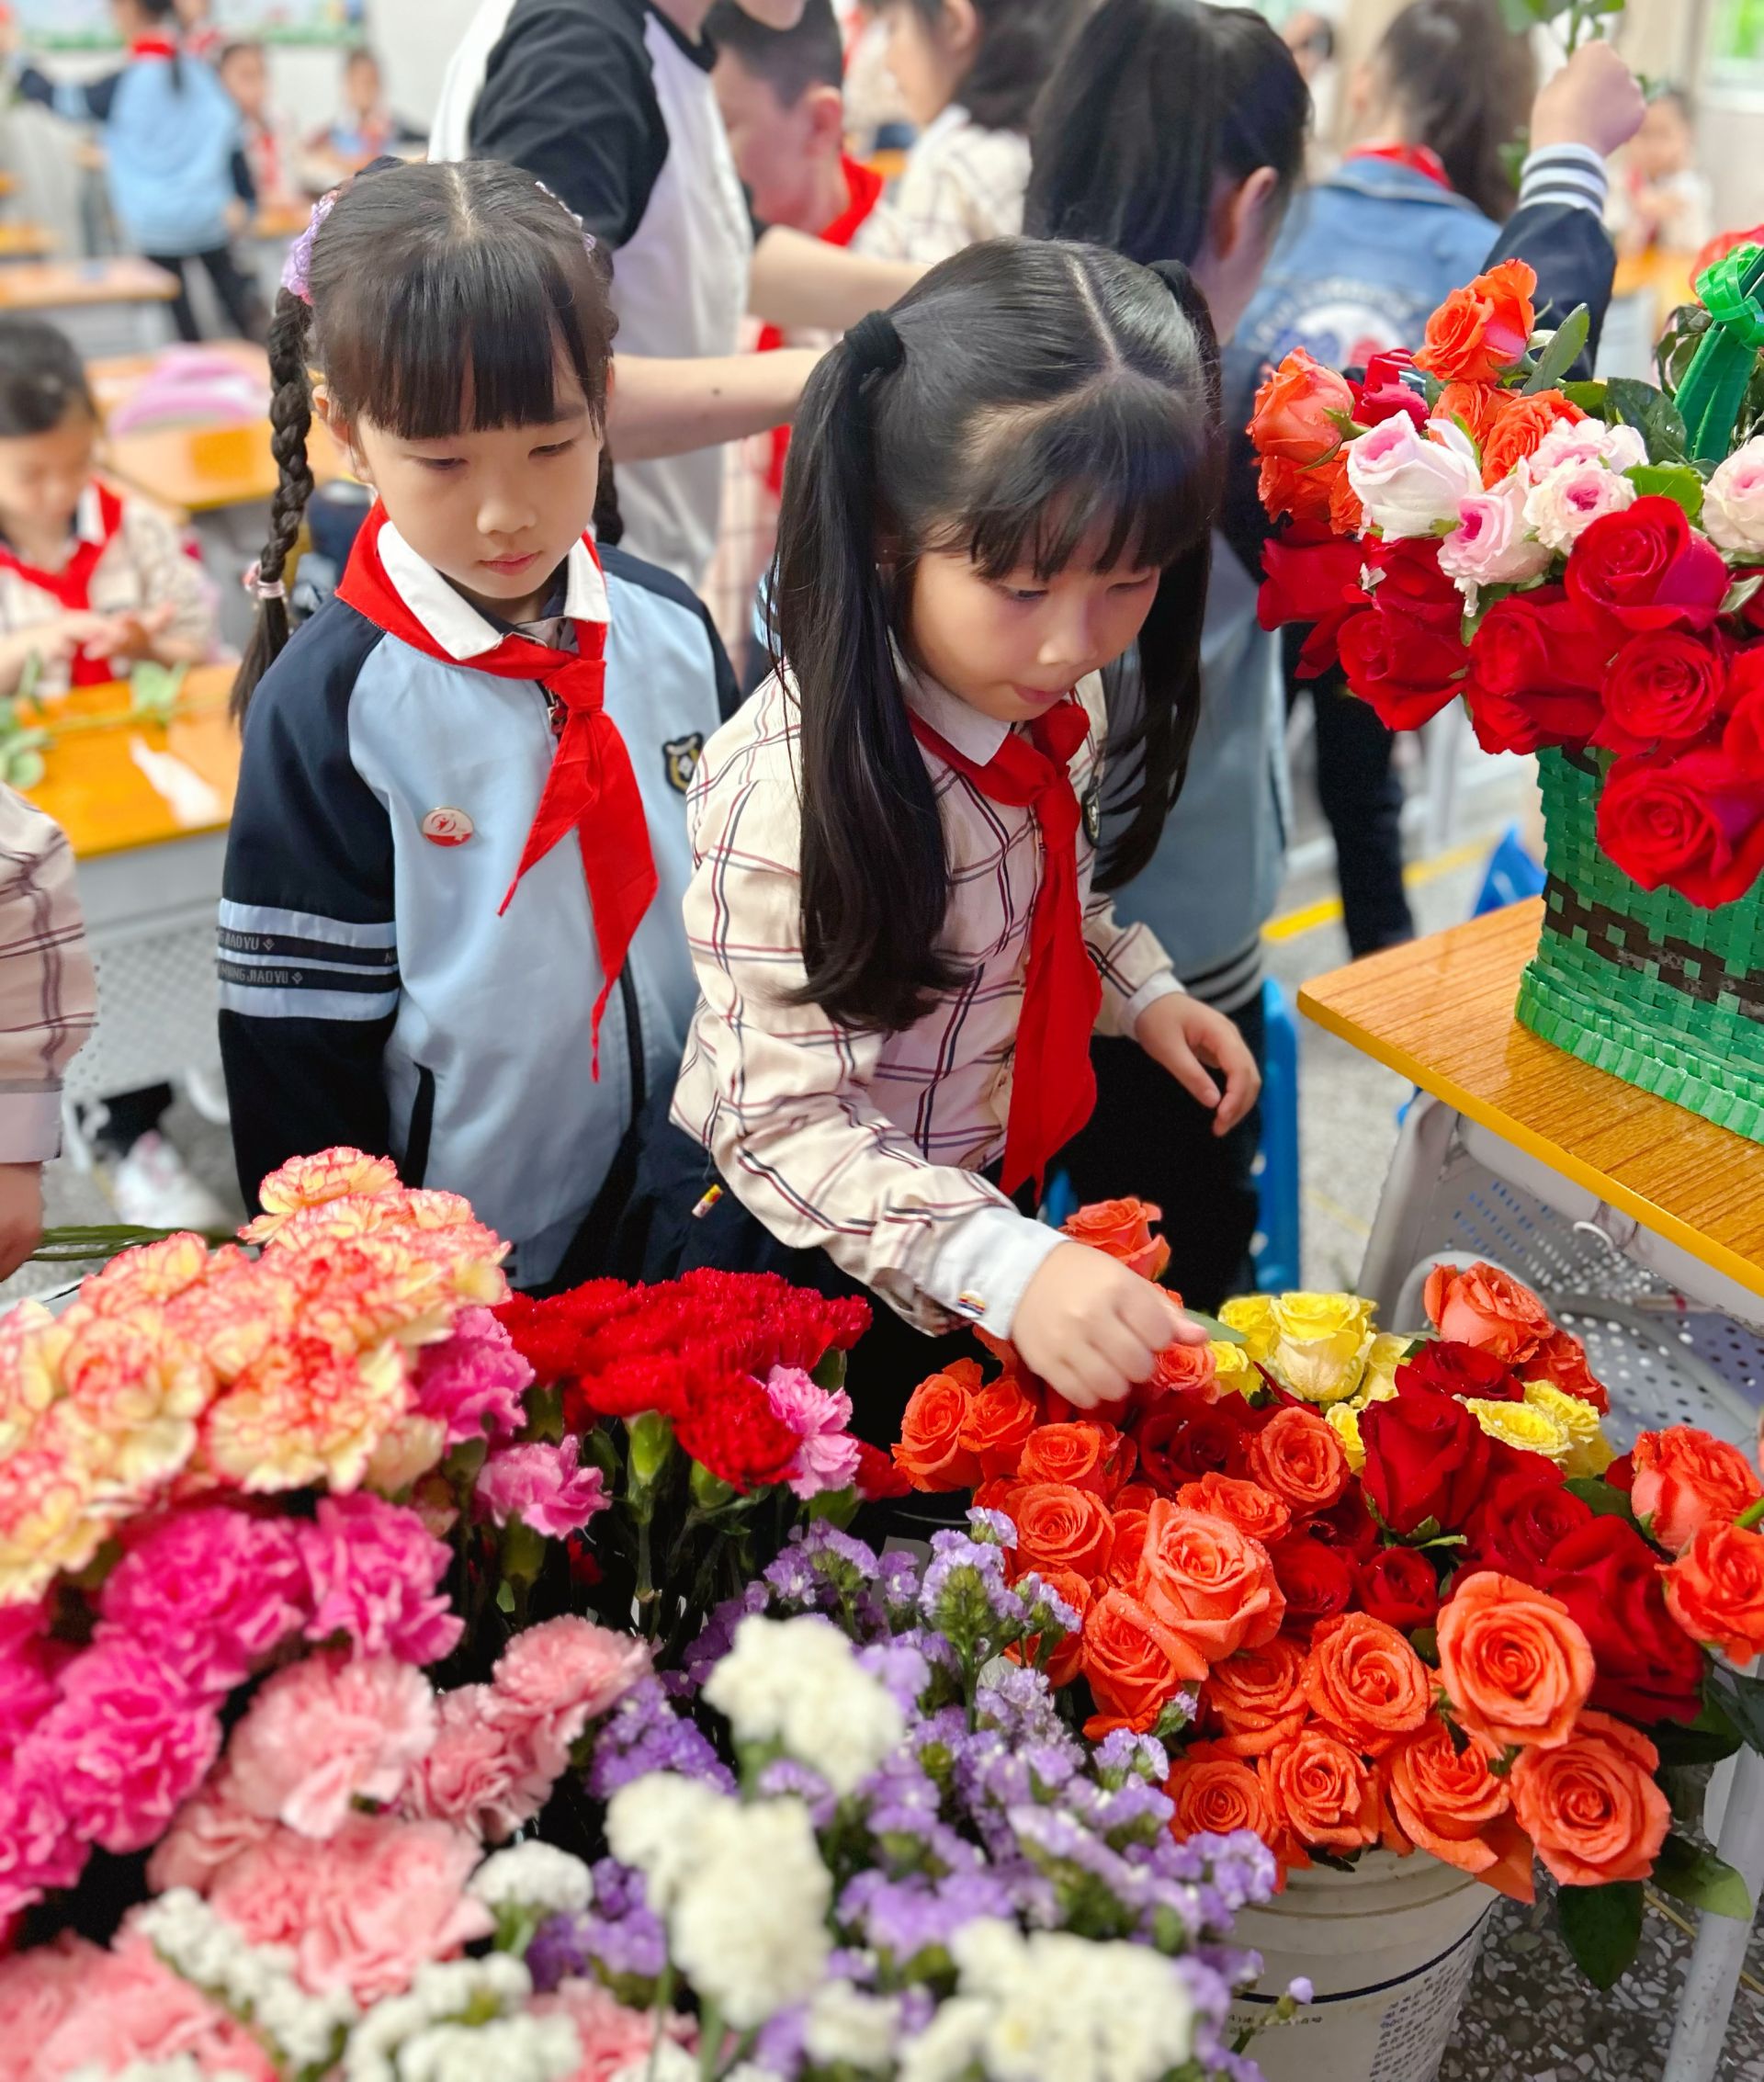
{"x":451,"y":619}
{"x":88,"y":516}
{"x":975,"y":736}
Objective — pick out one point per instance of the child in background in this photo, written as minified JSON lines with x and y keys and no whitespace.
{"x":1660,"y":200}
{"x":876,"y":116}
{"x":196,"y":30}
{"x":269,"y":159}
{"x":460,"y":836}
{"x":993,"y":491}
{"x":171,"y":135}
{"x":364,"y":130}
{"x":970,"y":73}
{"x":48,"y":1003}
{"x":91,"y":581}
{"x":779,"y":92}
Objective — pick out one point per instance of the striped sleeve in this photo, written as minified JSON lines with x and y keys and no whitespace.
{"x":1571,"y":176}
{"x":48,"y":1000}
{"x":1135,"y":970}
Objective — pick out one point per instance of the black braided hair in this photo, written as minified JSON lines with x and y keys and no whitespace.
{"x":290,"y":421}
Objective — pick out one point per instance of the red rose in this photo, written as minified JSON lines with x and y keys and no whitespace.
{"x":1309,"y":575}
{"x":1662,"y":687}
{"x":1384,"y":393}
{"x":1346,"y":1526}
{"x":1398,"y":1586}
{"x":1525,"y":1513}
{"x":1183,"y":1437}
{"x":1742,"y":739}
{"x":1691,"y":822}
{"x":1407,"y":580}
{"x":1646,"y":568}
{"x":1608,"y":1577}
{"x":1399,"y":665}
{"x":1457,"y":1369}
{"x":1620,"y":1474}
{"x":1536,"y":665}
{"x":1316,"y":1578}
{"x":1425,"y":1457}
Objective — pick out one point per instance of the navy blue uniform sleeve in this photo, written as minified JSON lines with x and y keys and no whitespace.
{"x":1569,"y":251}
{"x":78,"y":100}
{"x":569,"y":95}
{"x":243,"y":187}
{"x":308,"y":953}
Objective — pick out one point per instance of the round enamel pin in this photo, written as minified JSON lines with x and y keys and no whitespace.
{"x":448,"y":827}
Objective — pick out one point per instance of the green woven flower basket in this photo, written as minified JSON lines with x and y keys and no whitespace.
{"x":1648,"y":986}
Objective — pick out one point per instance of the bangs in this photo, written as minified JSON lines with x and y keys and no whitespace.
{"x":469,"y":339}
{"x":1123,"y":469}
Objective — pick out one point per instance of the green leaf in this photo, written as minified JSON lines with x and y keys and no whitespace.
{"x":1629,"y":403}
{"x":1602,"y":1928}
{"x":829,"y":1372}
{"x":1677,"y":481}
{"x":1598,"y":1494}
{"x":1706,"y":1740}
{"x":1220,"y":1334}
{"x":1589,"y":397}
{"x":1740,"y":593}
{"x":1690,"y":1873}
{"x":1561,"y":353}
{"x":1742,"y":1700}
{"x":1663,"y":424}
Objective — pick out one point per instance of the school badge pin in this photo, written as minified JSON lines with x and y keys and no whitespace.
{"x":448,"y":827}
{"x":680,"y":757}
{"x":1093,"y":815}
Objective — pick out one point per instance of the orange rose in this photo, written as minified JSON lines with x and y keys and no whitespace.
{"x":1122,"y":1228}
{"x":1304,"y":491}
{"x":999,"y":1423}
{"x":1446,"y":1800}
{"x":1687,"y":1479}
{"x":1490,"y":1309}
{"x":930,"y":1453}
{"x":1059,"y":1527}
{"x":1515,"y":1666}
{"x":1293,"y":414}
{"x":1366,"y":1683}
{"x":1715,"y":1591}
{"x":1257,"y":1697}
{"x":1246,"y":1505}
{"x":1475,"y":407}
{"x":1064,"y":1662}
{"x":1207,"y":1581}
{"x":1135,"y":1496}
{"x":1135,"y":1663}
{"x":1324,"y":1797}
{"x":1590,"y":1806}
{"x":1561,"y":1360}
{"x":1483,"y":328}
{"x":1216,"y":1794}
{"x":999,"y":1494}
{"x":1516,"y":425}
{"x":1129,"y":1544}
{"x":1301,"y":1458}
{"x":1088,"y":1456}
{"x":1183,"y":1369}
{"x":1347,"y":515}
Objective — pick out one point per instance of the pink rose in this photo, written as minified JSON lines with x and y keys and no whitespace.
{"x":38,"y":1850}
{"x":1489,"y":545}
{"x":480,"y":1773}
{"x":826,"y":1457}
{"x":206,"y":1832}
{"x":1560,"y":508}
{"x":213,"y":1590}
{"x":615,"y":2041}
{"x":1582,"y":441}
{"x":1732,"y":502}
{"x":362,"y":1911}
{"x":127,"y":1743}
{"x":474,"y":1381}
{"x":373,"y":1569}
{"x":543,"y":1486}
{"x":325,"y":1733}
{"x":1412,"y":482}
{"x":38,"y":1990}
{"x":130,"y":2007}
{"x":555,"y":1678}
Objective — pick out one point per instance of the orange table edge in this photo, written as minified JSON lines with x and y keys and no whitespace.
{"x":1682,"y":1177}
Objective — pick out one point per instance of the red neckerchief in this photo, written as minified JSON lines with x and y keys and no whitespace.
{"x":592,"y":788}
{"x":71,"y":587}
{"x":864,"y":187}
{"x":1418,"y":158}
{"x":153,"y":47}
{"x":1053,"y":1092}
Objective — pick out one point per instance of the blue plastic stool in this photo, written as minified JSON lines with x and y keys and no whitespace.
{"x":1512,"y":876}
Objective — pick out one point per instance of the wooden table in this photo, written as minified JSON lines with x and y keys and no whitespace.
{"x":204,"y":468}
{"x":26,"y":242}
{"x":80,"y":285}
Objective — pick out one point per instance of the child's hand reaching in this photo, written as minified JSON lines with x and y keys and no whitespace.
{"x":21,"y":1215}
{"x":1184,"y":1036}
{"x":1593,"y":101}
{"x":137,"y":635}
{"x":1093,"y":1329}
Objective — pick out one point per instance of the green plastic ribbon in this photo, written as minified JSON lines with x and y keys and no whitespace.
{"x":1715,"y":385}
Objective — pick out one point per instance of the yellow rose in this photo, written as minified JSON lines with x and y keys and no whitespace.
{"x":1343,"y":1419}
{"x":1523,"y":1425}
{"x":1253,"y":1315}
{"x":1385,"y":1355}
{"x":1237,"y":1373}
{"x":1590,"y":1451}
{"x":1320,"y":1345}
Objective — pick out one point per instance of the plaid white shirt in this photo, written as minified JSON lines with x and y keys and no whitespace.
{"x":871,"y":1145}
{"x":961,"y":184}
{"x":48,"y":999}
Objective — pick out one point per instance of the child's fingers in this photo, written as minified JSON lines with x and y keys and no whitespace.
{"x":1186,"y":1068}
{"x":1242,"y":1085}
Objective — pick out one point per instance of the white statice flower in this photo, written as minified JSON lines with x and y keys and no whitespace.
{"x":506,"y":2049}
{"x":798,"y":1681}
{"x":534,"y":1875}
{"x":653,"y":1824}
{"x":178,"y":2067}
{"x":742,"y":2071}
{"x":1732,"y":502}
{"x":442,"y":1991}
{"x":947,"y":2048}
{"x":255,"y":1981}
{"x":1412,"y":481}
{"x":846,"y":2027}
{"x":667,"y":2062}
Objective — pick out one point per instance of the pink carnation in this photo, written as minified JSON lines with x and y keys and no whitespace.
{"x":38,"y":1990}
{"x":28,"y":1665}
{"x":130,"y":2007}
{"x":38,"y":1850}
{"x":363,"y":1911}
{"x":826,"y":1457}
{"x":206,"y":1832}
{"x":480,"y":1773}
{"x":373,"y":1569}
{"x":614,"y":2040}
{"x":474,"y":1381}
{"x":553,"y":1679}
{"x":127,"y":1743}
{"x":215,"y":1592}
{"x":324,"y":1733}
{"x":543,"y":1486}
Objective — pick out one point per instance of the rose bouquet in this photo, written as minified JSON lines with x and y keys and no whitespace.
{"x":1380,"y":1591}
{"x":1579,"y":562}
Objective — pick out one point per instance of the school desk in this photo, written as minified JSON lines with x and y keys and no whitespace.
{"x":204,"y":468}
{"x":26,"y":242}
{"x":45,"y":287}
{"x":149,"y":838}
{"x":1641,"y":1224}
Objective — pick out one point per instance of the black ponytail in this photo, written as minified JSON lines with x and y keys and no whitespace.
{"x":1462,"y":81}
{"x":290,"y":422}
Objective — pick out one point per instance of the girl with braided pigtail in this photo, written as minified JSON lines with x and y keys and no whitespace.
{"x":450,"y":928}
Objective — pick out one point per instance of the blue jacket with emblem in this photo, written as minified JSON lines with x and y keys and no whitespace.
{"x":370,"y":993}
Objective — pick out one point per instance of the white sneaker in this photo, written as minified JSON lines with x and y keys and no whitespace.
{"x":154,"y":1188}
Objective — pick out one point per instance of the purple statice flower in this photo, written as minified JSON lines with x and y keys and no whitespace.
{"x":993,"y":1526}
{"x":1050,"y":1836}
{"x":1019,"y":1703}
{"x":785,"y":1775}
{"x":778,"y":2048}
{"x":964,"y":1595}
{"x":1300,"y":1989}
{"x":901,"y":1669}
{"x":717,"y":1636}
{"x":905,"y":1917}
{"x":619,"y":1939}
{"x":1133,"y":1812}
{"x":643,"y":1734}
{"x":1241,"y":1867}
{"x":899,"y":1583}
{"x":1208,"y":1989}
{"x":796,"y":1585}
{"x":844,"y":1561}
{"x":1046,"y":1609}
{"x":1124,"y":1755}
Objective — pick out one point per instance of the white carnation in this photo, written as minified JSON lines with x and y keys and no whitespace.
{"x":847,"y":2028}
{"x":798,"y":1682}
{"x":1732,"y":502}
{"x":534,"y":1875}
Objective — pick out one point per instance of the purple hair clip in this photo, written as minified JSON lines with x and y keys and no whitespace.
{"x":297,"y":269}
